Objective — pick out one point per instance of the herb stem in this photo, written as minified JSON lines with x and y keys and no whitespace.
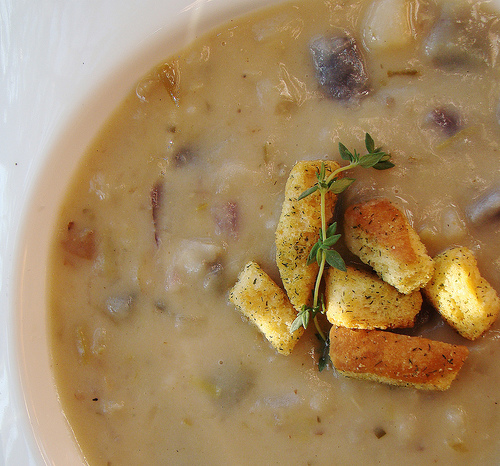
{"x":322,"y":252}
{"x":319,"y":277}
{"x":322,"y":192}
{"x":323,"y":189}
{"x":340,"y":170}
{"x":322,"y":261}
{"x":318,"y":328}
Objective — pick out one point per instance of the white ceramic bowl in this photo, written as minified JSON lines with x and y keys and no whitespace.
{"x":65,"y":66}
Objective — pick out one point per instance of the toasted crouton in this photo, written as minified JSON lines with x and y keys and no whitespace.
{"x":360,"y":299}
{"x":459,"y":293}
{"x":298,"y":230}
{"x":381,"y":236}
{"x":264,"y":303}
{"x":395,"y":359}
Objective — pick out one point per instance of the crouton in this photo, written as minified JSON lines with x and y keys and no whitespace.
{"x":381,"y":236}
{"x":459,"y":293}
{"x":264,"y":303}
{"x":360,"y":299}
{"x":395,"y":359}
{"x":298,"y":230}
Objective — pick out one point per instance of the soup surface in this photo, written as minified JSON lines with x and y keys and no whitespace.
{"x":184,"y":186}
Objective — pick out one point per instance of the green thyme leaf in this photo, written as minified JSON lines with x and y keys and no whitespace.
{"x":370,"y":160}
{"x":330,"y":241}
{"x":323,"y":362}
{"x":334,"y":259}
{"x":305,"y":318}
{"x":331,"y":229}
{"x":322,"y":172}
{"x":384,"y":163}
{"x":319,"y":255}
{"x":369,"y":143}
{"x":309,"y":191}
{"x":296,"y":324}
{"x":337,"y":186}
{"x":302,"y":319}
{"x":324,"y":354}
{"x":345,"y":153}
{"x":312,"y":255}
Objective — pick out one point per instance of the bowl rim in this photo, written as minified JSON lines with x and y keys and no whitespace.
{"x":39,"y":416}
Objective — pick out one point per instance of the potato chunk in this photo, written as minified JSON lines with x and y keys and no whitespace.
{"x":464,"y":299}
{"x":360,"y":299}
{"x":387,"y":25}
{"x":381,"y":236}
{"x":457,"y":40}
{"x":298,"y":230}
{"x":395,"y":359}
{"x":264,"y":303}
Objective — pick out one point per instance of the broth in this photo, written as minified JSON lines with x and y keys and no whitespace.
{"x":184,"y":185}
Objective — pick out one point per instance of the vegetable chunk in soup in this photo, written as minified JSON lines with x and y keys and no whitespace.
{"x":184,"y":186}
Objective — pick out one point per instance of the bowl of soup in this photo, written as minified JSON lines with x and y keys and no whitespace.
{"x":170,"y":174}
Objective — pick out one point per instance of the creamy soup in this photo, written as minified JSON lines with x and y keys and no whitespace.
{"x":184,"y":185}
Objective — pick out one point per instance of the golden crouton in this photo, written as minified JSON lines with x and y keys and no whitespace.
{"x":381,"y":236}
{"x":464,"y":299}
{"x":395,"y":359}
{"x":264,"y":303}
{"x":298,"y":230}
{"x":360,"y":299}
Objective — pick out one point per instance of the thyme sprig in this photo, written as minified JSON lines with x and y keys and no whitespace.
{"x":322,"y":252}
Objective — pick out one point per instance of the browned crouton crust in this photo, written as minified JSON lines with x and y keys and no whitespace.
{"x":395,"y":359}
{"x":298,"y":230}
{"x":360,"y":299}
{"x":381,"y":236}
{"x":264,"y":303}
{"x":461,"y":295}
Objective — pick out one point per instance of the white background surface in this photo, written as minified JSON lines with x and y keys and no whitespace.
{"x":52,"y":54}
{"x":63,"y":65}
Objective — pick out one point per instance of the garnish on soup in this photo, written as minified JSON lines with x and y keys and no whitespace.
{"x":380,"y":235}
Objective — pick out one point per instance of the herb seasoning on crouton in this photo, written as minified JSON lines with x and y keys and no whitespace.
{"x":459,"y":293}
{"x":395,"y":359}
{"x":381,"y":236}
{"x":265,"y":304}
{"x":360,"y":299}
